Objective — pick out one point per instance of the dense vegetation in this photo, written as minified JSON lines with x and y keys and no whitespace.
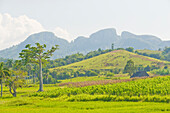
{"x":95,"y":63}
{"x":163,"y":55}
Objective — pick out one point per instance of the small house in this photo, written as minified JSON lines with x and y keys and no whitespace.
{"x":140,"y":74}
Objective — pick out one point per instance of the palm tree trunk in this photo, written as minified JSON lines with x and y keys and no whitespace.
{"x":41,"y":79}
{"x":1,"y":88}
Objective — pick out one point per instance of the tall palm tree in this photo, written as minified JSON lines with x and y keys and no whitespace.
{"x":9,"y":63}
{"x":35,"y":72}
{"x":3,"y":73}
{"x":28,"y":69}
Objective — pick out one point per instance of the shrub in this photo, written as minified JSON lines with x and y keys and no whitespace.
{"x":110,"y":75}
{"x":130,"y":49}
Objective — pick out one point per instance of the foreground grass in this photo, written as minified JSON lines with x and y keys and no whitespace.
{"x":44,"y":105}
{"x":27,"y":89}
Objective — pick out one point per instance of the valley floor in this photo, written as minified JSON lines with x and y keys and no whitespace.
{"x":46,"y":105}
{"x":149,"y":95}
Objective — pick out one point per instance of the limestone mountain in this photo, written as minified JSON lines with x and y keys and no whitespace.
{"x":100,"y":39}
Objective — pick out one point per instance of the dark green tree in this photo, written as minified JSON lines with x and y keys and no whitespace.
{"x":147,"y":68}
{"x":29,"y":70}
{"x":9,"y":63}
{"x":130,"y":67}
{"x":37,"y":54}
{"x":112,"y":46}
{"x":35,"y":72}
{"x":110,"y":75}
{"x":130,"y":49}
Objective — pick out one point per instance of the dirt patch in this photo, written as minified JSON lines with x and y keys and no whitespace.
{"x":89,"y":83}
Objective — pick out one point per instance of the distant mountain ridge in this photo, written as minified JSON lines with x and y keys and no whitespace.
{"x":101,"y":39}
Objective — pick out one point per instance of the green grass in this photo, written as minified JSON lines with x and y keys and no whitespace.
{"x":44,"y":105}
{"x":150,"y":51}
{"x":27,"y":89}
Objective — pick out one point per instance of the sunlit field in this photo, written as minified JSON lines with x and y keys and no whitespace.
{"x":151,"y":95}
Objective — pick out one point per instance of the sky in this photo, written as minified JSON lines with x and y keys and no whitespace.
{"x":69,"y":19}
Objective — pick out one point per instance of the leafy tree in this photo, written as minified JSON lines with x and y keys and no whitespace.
{"x":110,"y":75}
{"x":147,"y":68}
{"x":35,"y":72}
{"x":37,"y":54}
{"x":99,"y":50}
{"x":137,"y":52}
{"x":76,"y":74}
{"x":51,"y":80}
{"x":16,"y":65}
{"x":3,"y":73}
{"x":29,"y":70}
{"x":120,"y":49}
{"x":130,"y":49}
{"x":167,"y":57}
{"x":15,"y":80}
{"x":159,"y":49}
{"x":165,"y":67}
{"x":130,"y":67}
{"x":140,"y":68}
{"x":166,"y":50}
{"x":112,"y":46}
{"x":9,"y":63}
{"x":92,"y":73}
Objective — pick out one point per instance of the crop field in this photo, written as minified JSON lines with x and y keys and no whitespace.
{"x":157,"y":86}
{"x":94,"y":78}
{"x":99,"y":82}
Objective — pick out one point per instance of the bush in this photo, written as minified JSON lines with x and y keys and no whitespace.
{"x":130,"y":49}
{"x":92,"y":73}
{"x":110,"y":75}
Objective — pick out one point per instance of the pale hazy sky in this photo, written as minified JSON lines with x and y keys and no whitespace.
{"x":72,"y":18}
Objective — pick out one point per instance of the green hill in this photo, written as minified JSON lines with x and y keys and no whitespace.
{"x":112,"y":62}
{"x":114,"y":59}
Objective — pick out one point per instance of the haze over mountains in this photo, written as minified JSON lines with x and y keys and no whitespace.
{"x":101,"y":39}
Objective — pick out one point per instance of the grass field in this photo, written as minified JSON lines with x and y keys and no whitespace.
{"x":150,"y":51}
{"x":45,"y":105}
